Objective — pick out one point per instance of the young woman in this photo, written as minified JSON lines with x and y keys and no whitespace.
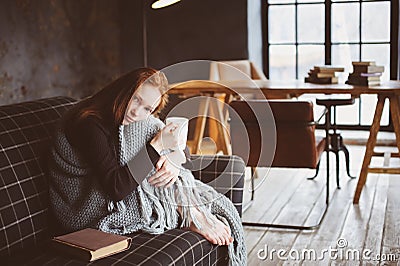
{"x":84,"y":167}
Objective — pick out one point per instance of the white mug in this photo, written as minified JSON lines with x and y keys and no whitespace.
{"x":183,"y":128}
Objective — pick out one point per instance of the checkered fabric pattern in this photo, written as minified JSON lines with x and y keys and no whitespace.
{"x":25,"y":131}
{"x":224,"y":173}
{"x":174,"y":247}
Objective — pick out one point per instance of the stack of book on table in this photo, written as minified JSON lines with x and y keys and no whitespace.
{"x":365,"y":73}
{"x":323,"y":74}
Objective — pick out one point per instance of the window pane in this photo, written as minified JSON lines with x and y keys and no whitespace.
{"x":310,"y":1}
{"x":375,"y":25}
{"x":343,"y":55}
{"x":280,"y":1}
{"x":281,"y":24}
{"x":345,"y":22}
{"x":347,"y":115}
{"x":368,"y":105}
{"x":311,"y":23}
{"x":380,"y":53}
{"x":282,"y":62}
{"x":309,"y":56}
{"x":318,"y":109}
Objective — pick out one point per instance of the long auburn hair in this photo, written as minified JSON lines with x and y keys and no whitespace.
{"x":115,"y":97}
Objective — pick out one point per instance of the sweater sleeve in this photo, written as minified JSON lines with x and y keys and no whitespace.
{"x":92,"y":140}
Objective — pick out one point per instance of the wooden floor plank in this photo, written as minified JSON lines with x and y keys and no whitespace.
{"x":354,"y":229}
{"x":329,"y":232}
{"x":330,"y":229}
{"x":269,"y":201}
{"x":376,"y":223}
{"x":268,"y":198}
{"x":372,"y":225}
{"x":391,"y":234}
{"x":281,"y":239}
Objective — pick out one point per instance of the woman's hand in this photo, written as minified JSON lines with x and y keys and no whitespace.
{"x":166,"y":138}
{"x":167,"y":170}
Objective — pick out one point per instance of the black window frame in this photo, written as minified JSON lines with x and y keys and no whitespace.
{"x":394,"y":42}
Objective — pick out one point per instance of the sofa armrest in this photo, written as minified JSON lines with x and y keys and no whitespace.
{"x":224,"y":173}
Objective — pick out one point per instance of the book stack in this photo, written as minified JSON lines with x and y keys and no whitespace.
{"x":365,"y":73}
{"x":323,"y":74}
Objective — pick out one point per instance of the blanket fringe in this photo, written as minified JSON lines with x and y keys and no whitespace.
{"x":159,"y":206}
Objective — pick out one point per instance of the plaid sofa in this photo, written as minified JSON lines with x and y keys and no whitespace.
{"x":25,"y":131}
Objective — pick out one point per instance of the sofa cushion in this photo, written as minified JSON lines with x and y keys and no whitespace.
{"x":174,"y":247}
{"x":25,"y":130}
{"x":225,"y":173}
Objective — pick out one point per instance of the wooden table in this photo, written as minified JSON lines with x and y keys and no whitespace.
{"x":387,"y":90}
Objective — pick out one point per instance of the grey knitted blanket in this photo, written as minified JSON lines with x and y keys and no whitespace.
{"x":79,"y":202}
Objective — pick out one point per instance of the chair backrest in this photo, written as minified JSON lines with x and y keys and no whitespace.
{"x":25,"y":131}
{"x":235,"y":70}
{"x":241,"y":70}
{"x":295,"y":133}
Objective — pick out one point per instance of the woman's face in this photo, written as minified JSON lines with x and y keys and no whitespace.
{"x":144,"y":101}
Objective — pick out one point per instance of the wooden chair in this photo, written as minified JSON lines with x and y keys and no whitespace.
{"x":252,"y":128}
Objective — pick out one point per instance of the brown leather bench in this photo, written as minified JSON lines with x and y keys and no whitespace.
{"x":276,"y":133}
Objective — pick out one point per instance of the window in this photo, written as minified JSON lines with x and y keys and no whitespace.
{"x":304,"y":33}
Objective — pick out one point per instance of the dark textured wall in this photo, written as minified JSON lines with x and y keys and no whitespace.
{"x":59,"y":47}
{"x":197,"y":29}
{"x":68,"y":47}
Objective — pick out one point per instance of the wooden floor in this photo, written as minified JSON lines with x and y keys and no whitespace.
{"x":286,"y":196}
